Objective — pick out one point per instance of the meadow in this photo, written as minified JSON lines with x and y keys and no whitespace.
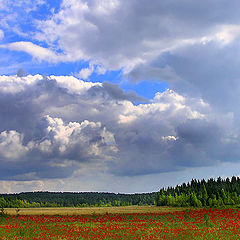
{"x":140,"y":222}
{"x":90,"y":210}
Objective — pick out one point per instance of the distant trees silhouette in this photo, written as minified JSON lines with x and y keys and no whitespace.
{"x":72,"y":199}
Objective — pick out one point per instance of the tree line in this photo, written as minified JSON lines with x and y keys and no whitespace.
{"x":197,"y":193}
{"x":72,"y":199}
{"x":201,"y":193}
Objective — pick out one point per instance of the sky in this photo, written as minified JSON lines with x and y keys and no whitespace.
{"x":118,"y":96}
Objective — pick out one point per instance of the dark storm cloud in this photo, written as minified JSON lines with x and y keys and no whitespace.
{"x":198,"y":132}
{"x":41,"y":145}
{"x":50,"y":129}
{"x":209,"y":71}
{"x":22,"y":110}
{"x":114,"y":91}
{"x":196,"y":143}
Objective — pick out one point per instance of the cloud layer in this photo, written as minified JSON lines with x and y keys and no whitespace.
{"x":120,"y":34}
{"x":58,"y":126}
{"x":51,"y":127}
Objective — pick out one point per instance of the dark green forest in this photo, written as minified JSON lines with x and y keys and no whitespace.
{"x":211,"y":193}
{"x":197,"y":193}
{"x":72,"y":199}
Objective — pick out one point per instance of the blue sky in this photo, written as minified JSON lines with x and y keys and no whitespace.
{"x":116,"y":93}
{"x":26,"y":24}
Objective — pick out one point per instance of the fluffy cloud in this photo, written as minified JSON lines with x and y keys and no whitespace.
{"x":86,"y":72}
{"x":76,"y":141}
{"x":11,"y":146}
{"x":150,"y":133}
{"x":36,"y":51}
{"x":147,"y":41}
{"x":59,"y":147}
{"x":16,"y":84}
{"x":69,"y":125}
{"x":196,"y":123}
{"x":127,"y":35}
{"x":179,"y":43}
{"x":118,"y":34}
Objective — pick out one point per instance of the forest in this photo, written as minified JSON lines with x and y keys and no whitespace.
{"x":197,"y":193}
{"x":210,"y":193}
{"x":72,"y":199}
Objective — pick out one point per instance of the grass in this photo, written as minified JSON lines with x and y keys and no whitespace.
{"x":89,"y":210}
{"x":132,"y":222}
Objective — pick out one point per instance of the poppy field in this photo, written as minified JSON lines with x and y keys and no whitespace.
{"x":186,"y":224}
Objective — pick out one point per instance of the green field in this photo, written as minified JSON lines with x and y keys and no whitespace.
{"x":120,"y":223}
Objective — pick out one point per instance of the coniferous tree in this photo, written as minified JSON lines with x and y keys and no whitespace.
{"x":213,"y":193}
